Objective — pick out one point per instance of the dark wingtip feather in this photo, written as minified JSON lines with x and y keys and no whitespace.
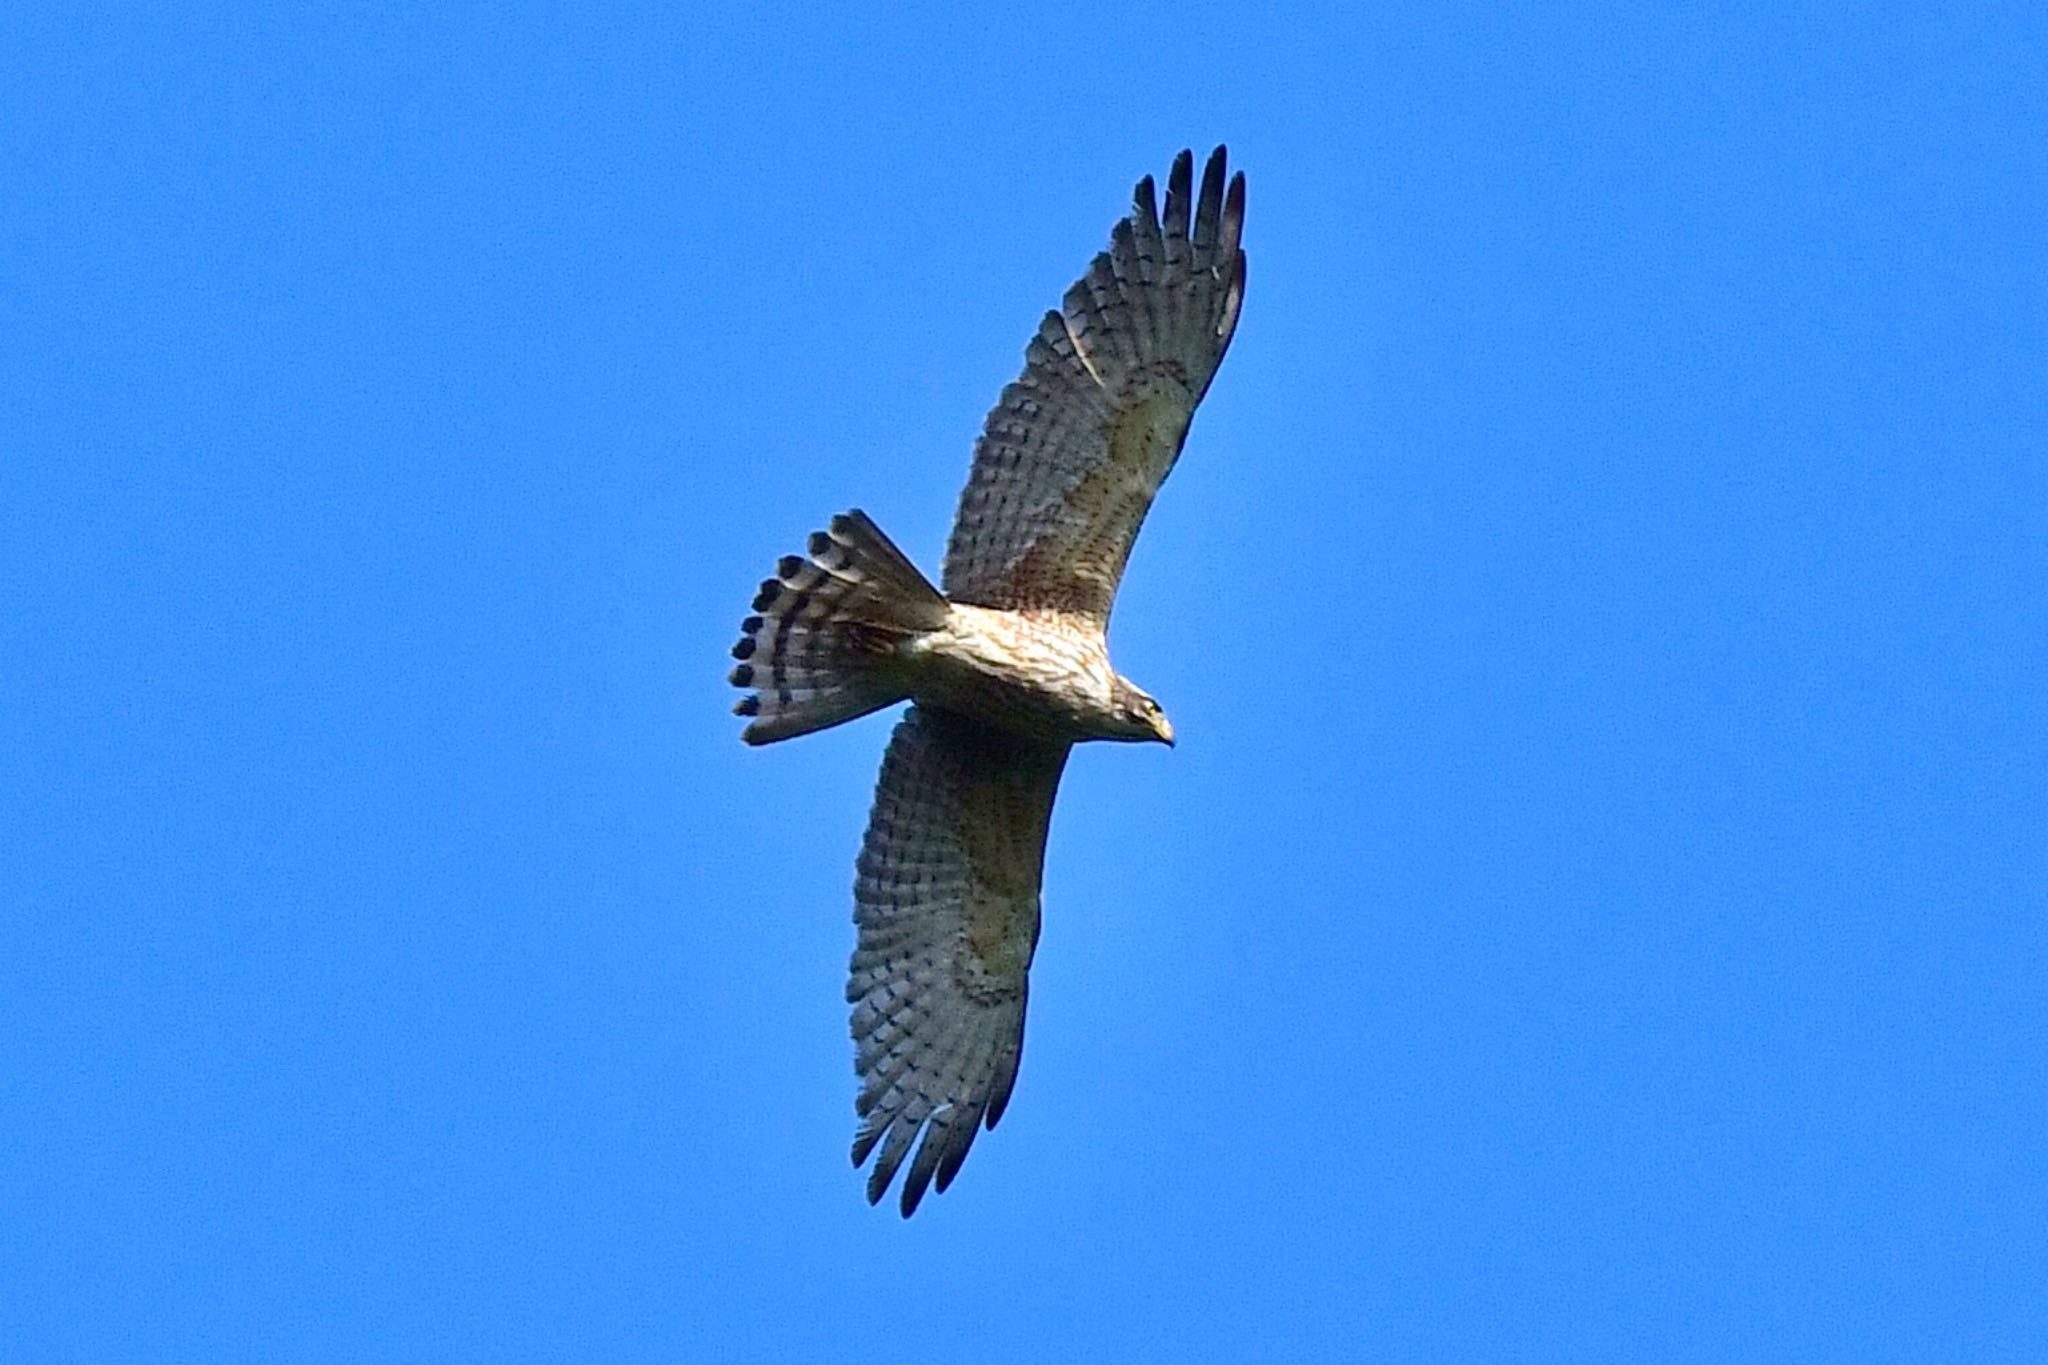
{"x":941,"y":1143}
{"x":787,"y":566}
{"x":1178,"y":184}
{"x":765,"y":597}
{"x":742,"y":675}
{"x":1209,"y":212}
{"x":747,"y":706}
{"x":744,"y":649}
{"x":956,"y":1155}
{"x":1005,"y":1084}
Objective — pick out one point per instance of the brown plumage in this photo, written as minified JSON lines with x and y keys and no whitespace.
{"x":1007,"y":668}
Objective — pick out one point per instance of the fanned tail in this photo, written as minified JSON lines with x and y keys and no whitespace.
{"x":822,"y":645}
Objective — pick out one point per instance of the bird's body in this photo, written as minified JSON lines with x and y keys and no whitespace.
{"x":1039,"y":673}
{"x":1008,"y":667}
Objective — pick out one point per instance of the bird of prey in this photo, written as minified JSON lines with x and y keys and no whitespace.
{"x":1006,"y":665}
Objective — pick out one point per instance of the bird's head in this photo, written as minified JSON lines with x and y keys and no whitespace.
{"x":1138,"y":716}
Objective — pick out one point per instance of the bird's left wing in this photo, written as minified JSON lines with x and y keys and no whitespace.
{"x":1070,"y":458}
{"x":946,"y":898}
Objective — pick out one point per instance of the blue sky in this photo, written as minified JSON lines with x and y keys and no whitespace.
{"x":1595,"y":910}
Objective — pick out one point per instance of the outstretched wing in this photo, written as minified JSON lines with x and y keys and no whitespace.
{"x":1069,"y":460}
{"x":947,"y":902}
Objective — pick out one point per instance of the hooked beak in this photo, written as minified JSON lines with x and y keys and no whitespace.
{"x":1165,"y":731}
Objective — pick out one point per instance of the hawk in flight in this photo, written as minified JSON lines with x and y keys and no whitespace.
{"x":1006,"y":664}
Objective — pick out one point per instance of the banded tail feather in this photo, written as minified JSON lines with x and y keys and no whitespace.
{"x":820,"y":648}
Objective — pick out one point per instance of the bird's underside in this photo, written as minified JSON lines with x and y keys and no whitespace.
{"x":1006,"y":667}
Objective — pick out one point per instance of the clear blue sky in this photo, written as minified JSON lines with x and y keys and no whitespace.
{"x":1595,"y":910}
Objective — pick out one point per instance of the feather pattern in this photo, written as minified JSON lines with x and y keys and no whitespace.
{"x":819,"y":647}
{"x":946,"y":900}
{"x":1071,"y":456}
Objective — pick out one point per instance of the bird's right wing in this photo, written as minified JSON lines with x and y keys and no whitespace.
{"x":946,"y":898}
{"x":1070,"y":458}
